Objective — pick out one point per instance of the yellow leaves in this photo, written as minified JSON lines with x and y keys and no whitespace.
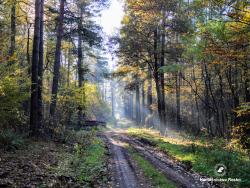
{"x":126,"y":20}
{"x":242,"y":20}
{"x":2,"y":93}
{"x":12,"y":58}
{"x":67,"y":45}
{"x":125,"y":69}
{"x":243,"y":110}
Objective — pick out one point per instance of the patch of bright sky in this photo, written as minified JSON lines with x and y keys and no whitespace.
{"x":111,"y":18}
{"x":110,"y":21}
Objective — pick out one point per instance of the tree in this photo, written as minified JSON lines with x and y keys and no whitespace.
{"x":56,"y":73}
{"x":34,"y":73}
{"x":40,"y":68}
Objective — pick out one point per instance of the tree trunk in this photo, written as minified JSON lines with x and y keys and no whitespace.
{"x":131,"y":106}
{"x":68,"y":69}
{"x":28,"y":49}
{"x":138,"y":112}
{"x":57,"y":60}
{"x":80,"y":68}
{"x":196,"y":100}
{"x":80,"y":54}
{"x":40,"y":69}
{"x":178,"y":106}
{"x":112,"y":99}
{"x":143,"y":109}
{"x":34,"y":72}
{"x":156,"y":75}
{"x":149,"y":92}
{"x":163,"y":41}
{"x":246,"y":84}
{"x":207,"y":103}
{"x":13,"y":29}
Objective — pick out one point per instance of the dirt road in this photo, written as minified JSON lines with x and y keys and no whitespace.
{"x":126,"y":173}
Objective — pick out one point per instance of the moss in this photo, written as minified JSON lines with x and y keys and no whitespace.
{"x":157,"y":178}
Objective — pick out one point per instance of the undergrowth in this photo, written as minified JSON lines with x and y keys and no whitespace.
{"x":87,"y":163}
{"x":9,"y":140}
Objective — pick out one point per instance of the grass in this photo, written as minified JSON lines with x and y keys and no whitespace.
{"x":157,"y":179}
{"x":88,"y":161}
{"x":93,"y":164}
{"x":201,"y":155}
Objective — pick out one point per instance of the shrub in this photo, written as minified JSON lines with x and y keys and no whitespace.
{"x":241,"y":130}
{"x":10,"y":141}
{"x":13,"y":92}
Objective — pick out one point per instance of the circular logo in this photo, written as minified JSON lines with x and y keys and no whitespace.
{"x":220,"y":170}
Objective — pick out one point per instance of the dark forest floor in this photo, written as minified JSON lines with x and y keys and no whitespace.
{"x":32,"y":166}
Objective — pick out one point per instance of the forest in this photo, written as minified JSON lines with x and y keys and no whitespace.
{"x":161,"y":101}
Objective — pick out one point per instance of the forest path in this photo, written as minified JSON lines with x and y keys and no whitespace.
{"x":124,"y":170}
{"x":126,"y":173}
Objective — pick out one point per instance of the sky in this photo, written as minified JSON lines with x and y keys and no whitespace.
{"x":111,"y":18}
{"x":110,"y":21}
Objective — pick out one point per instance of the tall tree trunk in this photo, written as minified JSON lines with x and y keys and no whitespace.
{"x":56,"y":75}
{"x":207,"y":102}
{"x":79,"y":53}
{"x":40,"y":69}
{"x":112,"y":99}
{"x":156,"y":75}
{"x":163,"y":41}
{"x":80,"y":68}
{"x":178,"y":94}
{"x":149,"y":92}
{"x":28,"y":49}
{"x":246,"y":83}
{"x":213,"y":101}
{"x":223,"y":106}
{"x":68,"y":69}
{"x":143,"y":109}
{"x":13,"y":29}
{"x":34,"y":72}
{"x":131,"y":106}
{"x":196,"y":99}
{"x":138,"y":112}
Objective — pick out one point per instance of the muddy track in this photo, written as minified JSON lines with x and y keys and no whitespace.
{"x":173,"y":171}
{"x":124,"y":170}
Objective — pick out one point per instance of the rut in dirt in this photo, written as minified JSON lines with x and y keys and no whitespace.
{"x":125,"y":173}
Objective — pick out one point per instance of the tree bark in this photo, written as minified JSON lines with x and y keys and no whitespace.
{"x":157,"y":77}
{"x":34,"y":72}
{"x":68,"y":69}
{"x":163,"y":41}
{"x":28,"y":49}
{"x":131,"y":106}
{"x":143,"y":109}
{"x":138,"y":112}
{"x":112,"y":99}
{"x":178,"y":94}
{"x":57,"y":60}
{"x":40,"y":69}
{"x":13,"y":29}
{"x":79,"y":53}
{"x":149,"y":92}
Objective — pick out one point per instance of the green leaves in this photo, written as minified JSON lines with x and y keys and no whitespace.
{"x":14,"y":89}
{"x":173,"y":68}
